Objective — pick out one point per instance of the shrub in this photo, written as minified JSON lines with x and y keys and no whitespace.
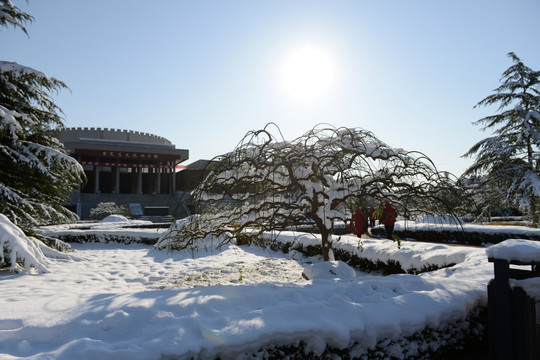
{"x":104,"y":209}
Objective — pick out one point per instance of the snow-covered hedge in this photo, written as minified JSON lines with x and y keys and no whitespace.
{"x":468,"y":234}
{"x":105,"y":209}
{"x":450,"y":341}
{"x":105,"y":236}
{"x":114,"y":228}
{"x":376,"y":255}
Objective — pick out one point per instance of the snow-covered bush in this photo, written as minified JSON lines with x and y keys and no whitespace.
{"x":104,"y":209}
{"x":178,"y":237}
{"x":21,"y":252}
{"x":115,"y":219}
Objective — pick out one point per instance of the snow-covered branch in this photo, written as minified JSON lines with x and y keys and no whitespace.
{"x":266,"y":184}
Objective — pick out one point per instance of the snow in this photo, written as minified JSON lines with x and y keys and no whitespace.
{"x":517,"y":250}
{"x":115,"y":218}
{"x":116,"y":301}
{"x":329,"y":270}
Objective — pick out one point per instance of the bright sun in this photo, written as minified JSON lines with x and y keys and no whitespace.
{"x":307,"y":74}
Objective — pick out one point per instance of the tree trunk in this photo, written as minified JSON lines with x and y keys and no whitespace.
{"x":530,"y":158}
{"x":534,"y":211}
{"x":326,"y":243}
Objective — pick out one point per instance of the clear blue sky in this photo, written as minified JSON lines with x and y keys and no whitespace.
{"x":203,"y":73}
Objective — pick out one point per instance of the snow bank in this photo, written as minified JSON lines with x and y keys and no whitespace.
{"x":329,"y":270}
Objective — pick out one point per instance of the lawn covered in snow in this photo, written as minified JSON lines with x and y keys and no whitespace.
{"x":116,"y":301}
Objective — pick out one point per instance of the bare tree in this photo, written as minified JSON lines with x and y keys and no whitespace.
{"x":267,"y":184}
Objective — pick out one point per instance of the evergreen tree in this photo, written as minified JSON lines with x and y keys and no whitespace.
{"x":36,"y":173}
{"x":483,"y":198}
{"x":509,"y":159}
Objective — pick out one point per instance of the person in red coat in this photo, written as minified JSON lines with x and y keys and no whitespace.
{"x":388,"y":218}
{"x":358,"y":221}
{"x":371,"y":217}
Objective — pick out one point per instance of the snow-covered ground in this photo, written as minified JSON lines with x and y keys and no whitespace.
{"x":116,"y":301}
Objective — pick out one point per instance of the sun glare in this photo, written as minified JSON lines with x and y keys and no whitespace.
{"x":307,"y":74}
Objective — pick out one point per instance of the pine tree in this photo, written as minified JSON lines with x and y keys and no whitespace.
{"x":509,"y":159}
{"x":36,"y":173}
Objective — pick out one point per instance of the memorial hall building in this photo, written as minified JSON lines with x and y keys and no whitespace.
{"x":122,"y":166}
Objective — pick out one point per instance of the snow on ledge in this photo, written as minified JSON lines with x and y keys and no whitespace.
{"x":518,"y":250}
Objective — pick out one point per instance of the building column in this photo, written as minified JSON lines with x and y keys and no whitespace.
{"x":134,"y":179}
{"x":96,"y":179}
{"x":116,"y":174}
{"x":158,"y":179}
{"x":152,"y":180}
{"x":173,"y":174}
{"x":139,"y":180}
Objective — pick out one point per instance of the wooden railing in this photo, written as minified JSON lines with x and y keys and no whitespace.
{"x":513,"y":327}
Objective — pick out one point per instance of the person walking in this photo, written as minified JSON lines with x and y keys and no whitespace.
{"x":371,"y":217}
{"x":388,"y":218}
{"x":366,"y":220}
{"x":358,"y":222}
